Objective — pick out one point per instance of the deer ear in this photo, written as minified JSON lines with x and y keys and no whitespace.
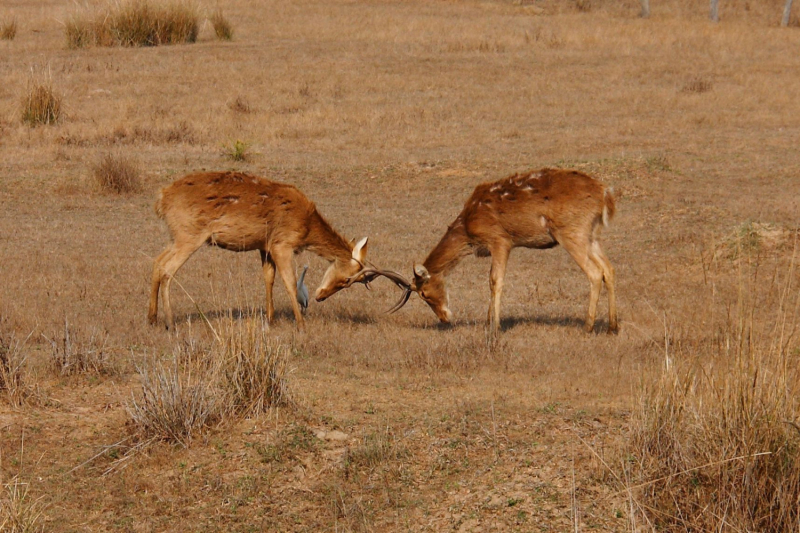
{"x":421,"y":273}
{"x":360,"y":250}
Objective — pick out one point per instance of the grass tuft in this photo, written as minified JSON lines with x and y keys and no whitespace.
{"x":175,"y":405}
{"x":41,"y":103}
{"x":135,"y":23}
{"x":118,"y":175}
{"x":222,"y":26}
{"x":253,"y":369}
{"x":19,"y":513}
{"x":8,"y":29}
{"x":237,"y":151}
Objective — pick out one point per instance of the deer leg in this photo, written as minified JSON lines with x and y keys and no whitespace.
{"x":268,"y":266}
{"x":602,"y":261}
{"x":499,"y":262}
{"x":580,"y":253}
{"x":158,"y":275}
{"x":283,"y":262}
{"x":179,"y":256}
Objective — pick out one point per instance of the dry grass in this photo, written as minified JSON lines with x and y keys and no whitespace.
{"x":135,"y":23}
{"x":8,"y":29}
{"x":387,"y":115}
{"x":19,"y":511}
{"x":41,"y":104}
{"x":117,"y":174}
{"x":13,"y":358}
{"x":253,"y":368}
{"x":716,"y":439}
{"x":222,"y":26}
{"x":72,"y":355}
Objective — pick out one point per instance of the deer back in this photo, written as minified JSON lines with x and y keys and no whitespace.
{"x":527,"y":208}
{"x":234,"y":210}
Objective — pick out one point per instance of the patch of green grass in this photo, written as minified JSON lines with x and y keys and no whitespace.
{"x":238,"y":151}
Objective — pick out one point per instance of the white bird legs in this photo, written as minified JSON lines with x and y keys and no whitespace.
{"x":302,"y":290}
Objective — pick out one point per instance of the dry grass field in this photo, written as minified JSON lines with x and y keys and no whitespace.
{"x":387,"y":115}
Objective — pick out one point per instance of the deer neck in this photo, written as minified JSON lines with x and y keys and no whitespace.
{"x":452,"y":248}
{"x":325,"y":241}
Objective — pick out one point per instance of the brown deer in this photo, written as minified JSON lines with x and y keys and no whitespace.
{"x":534,"y":210}
{"x":240,"y":212}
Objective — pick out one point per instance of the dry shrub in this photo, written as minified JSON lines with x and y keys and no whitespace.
{"x":716,"y":441}
{"x":242,"y":373}
{"x":12,"y":363}
{"x":41,"y":104}
{"x":19,"y":512}
{"x":175,"y":406}
{"x":70,"y":355}
{"x":135,"y":23}
{"x":222,"y":26}
{"x":8,"y":29}
{"x":117,"y":174}
{"x":253,"y":368}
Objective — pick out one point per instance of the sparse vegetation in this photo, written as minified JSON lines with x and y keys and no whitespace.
{"x":8,"y":29}
{"x":41,"y":103}
{"x":135,"y":23}
{"x":117,"y":174}
{"x":222,"y":26}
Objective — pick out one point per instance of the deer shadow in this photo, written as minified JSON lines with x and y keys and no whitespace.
{"x":511,"y":322}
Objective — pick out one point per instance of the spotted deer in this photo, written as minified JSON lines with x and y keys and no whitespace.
{"x":240,"y":212}
{"x":540,"y":209}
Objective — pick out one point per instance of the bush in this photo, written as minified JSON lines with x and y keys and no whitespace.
{"x":118,"y":175}
{"x":135,"y":23}
{"x":222,"y":27}
{"x":41,"y":104}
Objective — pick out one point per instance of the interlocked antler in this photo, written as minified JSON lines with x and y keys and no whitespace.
{"x":367,"y":275}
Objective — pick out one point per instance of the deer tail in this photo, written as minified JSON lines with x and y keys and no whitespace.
{"x":159,"y":207}
{"x":609,"y":205}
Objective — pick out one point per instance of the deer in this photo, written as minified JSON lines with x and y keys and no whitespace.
{"x":240,"y":212}
{"x":538,"y":209}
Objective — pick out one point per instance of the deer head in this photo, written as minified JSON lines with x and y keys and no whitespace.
{"x":432,"y":290}
{"x":340,"y":273}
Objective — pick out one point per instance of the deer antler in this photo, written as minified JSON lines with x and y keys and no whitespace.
{"x":366,"y":275}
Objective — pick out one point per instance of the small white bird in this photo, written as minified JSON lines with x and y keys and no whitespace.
{"x":302,"y":290}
